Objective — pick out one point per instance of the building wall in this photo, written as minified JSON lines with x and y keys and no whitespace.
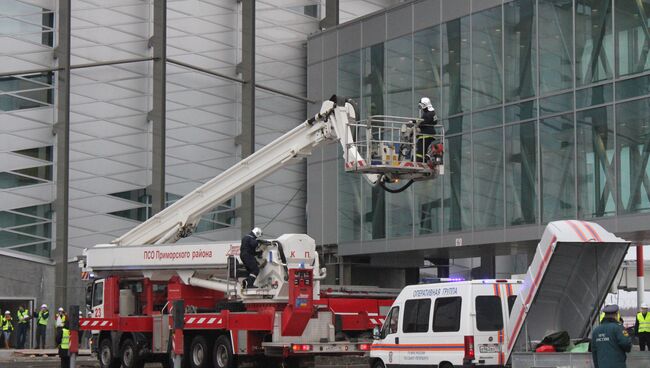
{"x":543,"y":107}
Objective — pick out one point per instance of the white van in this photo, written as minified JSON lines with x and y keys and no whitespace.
{"x":446,"y":325}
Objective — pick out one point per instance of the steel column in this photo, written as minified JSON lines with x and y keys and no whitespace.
{"x":247,"y":138}
{"x":157,"y":115}
{"x":62,"y":132}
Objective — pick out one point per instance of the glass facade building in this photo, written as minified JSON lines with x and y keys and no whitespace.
{"x":546,"y":106}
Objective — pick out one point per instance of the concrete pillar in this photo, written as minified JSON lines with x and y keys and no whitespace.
{"x":247,"y":138}
{"x":158,"y":113}
{"x":331,"y":18}
{"x":62,"y":131}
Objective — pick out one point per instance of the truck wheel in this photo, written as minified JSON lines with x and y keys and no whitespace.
{"x":378,"y":364}
{"x":199,"y":353}
{"x":129,"y":355}
{"x":106,"y":355}
{"x":222,"y":356}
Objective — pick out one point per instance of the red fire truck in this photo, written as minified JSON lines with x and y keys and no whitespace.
{"x":287,"y":316}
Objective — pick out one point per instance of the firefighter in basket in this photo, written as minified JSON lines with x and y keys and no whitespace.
{"x":427,"y":149}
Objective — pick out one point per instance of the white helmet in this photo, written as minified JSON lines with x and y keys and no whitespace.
{"x":257,"y":232}
{"x":425,"y":103}
{"x":644,"y":306}
{"x":7,"y":312}
{"x":44,"y":306}
{"x":60,"y":309}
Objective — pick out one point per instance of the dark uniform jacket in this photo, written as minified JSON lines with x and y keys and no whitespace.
{"x":247,"y":253}
{"x":429,"y":120}
{"x":609,"y":343}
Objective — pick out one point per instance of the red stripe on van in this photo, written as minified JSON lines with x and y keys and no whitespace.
{"x":592,"y":231}
{"x":578,"y":232}
{"x":547,"y":256}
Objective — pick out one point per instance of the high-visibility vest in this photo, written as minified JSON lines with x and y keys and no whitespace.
{"x":7,"y":325}
{"x":23,"y":317}
{"x":42,"y":319}
{"x":644,"y":322}
{"x":65,"y":339}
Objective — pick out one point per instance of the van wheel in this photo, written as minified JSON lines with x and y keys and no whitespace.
{"x":106,"y":355}
{"x":378,"y":364}
{"x":129,"y":355}
{"x":446,"y":365}
{"x":222,"y":355}
{"x":199,"y":352}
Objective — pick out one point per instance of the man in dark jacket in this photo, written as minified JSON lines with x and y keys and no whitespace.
{"x":247,"y":255}
{"x":609,"y":341}
{"x":427,"y":128}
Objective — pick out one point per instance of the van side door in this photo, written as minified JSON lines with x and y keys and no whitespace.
{"x":488,"y":324}
{"x":386,"y":347}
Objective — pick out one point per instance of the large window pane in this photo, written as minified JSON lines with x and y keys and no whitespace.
{"x":596,"y":186}
{"x":373,"y":93}
{"x":594,"y":41}
{"x":520,"y":49}
{"x":556,"y":44}
{"x":488,"y":178}
{"x":633,"y":146}
{"x":457,"y":76}
{"x":349,"y":206}
{"x":426,"y":64}
{"x":557,"y":167}
{"x":521,"y":174}
{"x":400,"y":102}
{"x":486,"y":58}
{"x":632,"y":36}
{"x":458,"y":184}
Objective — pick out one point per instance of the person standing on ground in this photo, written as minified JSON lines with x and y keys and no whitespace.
{"x":7,"y":328}
{"x":23,"y":326}
{"x":609,"y":341}
{"x":642,"y":327}
{"x":61,"y":317}
{"x":41,"y":326}
{"x":63,"y":343}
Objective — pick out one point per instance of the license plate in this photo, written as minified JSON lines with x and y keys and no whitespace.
{"x":488,"y":348}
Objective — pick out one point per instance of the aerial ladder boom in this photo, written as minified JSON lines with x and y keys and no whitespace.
{"x":180,"y":219}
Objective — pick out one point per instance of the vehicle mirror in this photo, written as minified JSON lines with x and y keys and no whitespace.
{"x":89,"y":294}
{"x":376,"y":333}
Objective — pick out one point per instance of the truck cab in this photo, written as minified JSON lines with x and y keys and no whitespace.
{"x":446,"y":325}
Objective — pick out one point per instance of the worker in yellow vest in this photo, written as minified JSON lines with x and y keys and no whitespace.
{"x":42,"y":317}
{"x":23,"y":326}
{"x":7,"y":328}
{"x":642,"y":327}
{"x":63,"y":343}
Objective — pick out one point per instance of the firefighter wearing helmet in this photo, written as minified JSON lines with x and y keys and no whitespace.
{"x":426,"y":137}
{"x":247,"y":253}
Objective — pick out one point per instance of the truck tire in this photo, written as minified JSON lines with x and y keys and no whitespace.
{"x":129,"y":355}
{"x":200,"y":352}
{"x":222,"y":355}
{"x":378,"y":364}
{"x":106,"y":355}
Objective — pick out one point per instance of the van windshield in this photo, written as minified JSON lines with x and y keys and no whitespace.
{"x":489,"y":316}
